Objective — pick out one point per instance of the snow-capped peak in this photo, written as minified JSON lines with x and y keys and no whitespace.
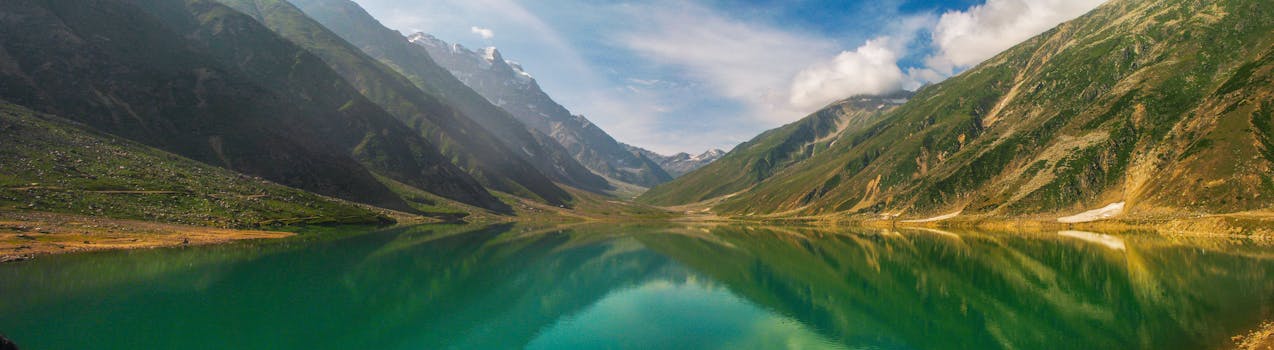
{"x":712,"y":154}
{"x":521,"y":75}
{"x":427,"y":40}
{"x":491,"y":54}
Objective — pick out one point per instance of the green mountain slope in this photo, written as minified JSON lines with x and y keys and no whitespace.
{"x":1163,"y":105}
{"x":775,"y":150}
{"x":53,"y":165}
{"x":509,"y":162}
{"x":201,"y":80}
{"x":432,"y":99}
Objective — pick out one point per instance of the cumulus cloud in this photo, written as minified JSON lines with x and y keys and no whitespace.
{"x":870,"y":69}
{"x":960,"y":39}
{"x":685,"y":75}
{"x":485,"y":33}
{"x":966,"y":38}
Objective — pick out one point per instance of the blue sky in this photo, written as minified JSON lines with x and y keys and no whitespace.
{"x":690,"y":75}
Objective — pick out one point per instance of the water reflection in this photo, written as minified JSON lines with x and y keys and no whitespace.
{"x":649,"y":286}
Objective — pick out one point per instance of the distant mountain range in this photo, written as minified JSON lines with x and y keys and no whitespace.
{"x":506,"y":85}
{"x":681,"y":163}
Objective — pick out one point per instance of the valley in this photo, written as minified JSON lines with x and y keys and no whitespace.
{"x":265,"y":169}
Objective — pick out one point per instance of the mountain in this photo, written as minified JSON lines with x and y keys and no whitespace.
{"x":504,"y":161}
{"x":203,"y":81}
{"x":1164,"y":106}
{"x":55,"y":165}
{"x":411,"y":65}
{"x":681,"y":163}
{"x":774,"y":151}
{"x":505,"y":84}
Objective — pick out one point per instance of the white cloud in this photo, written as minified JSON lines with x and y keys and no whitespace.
{"x":917,"y":77}
{"x":745,"y":62}
{"x":960,"y":38}
{"x":678,"y":75}
{"x":870,"y":69}
{"x":966,"y":38}
{"x":485,"y":33}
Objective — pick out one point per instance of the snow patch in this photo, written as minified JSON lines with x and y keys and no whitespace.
{"x":938,"y":232}
{"x":522,"y":76}
{"x":1104,"y":213}
{"x":936,"y":218}
{"x":1109,"y":241}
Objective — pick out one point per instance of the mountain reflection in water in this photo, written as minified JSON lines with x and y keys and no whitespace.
{"x":649,"y":286}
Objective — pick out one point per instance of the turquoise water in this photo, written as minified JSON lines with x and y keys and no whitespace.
{"x":648,"y":287}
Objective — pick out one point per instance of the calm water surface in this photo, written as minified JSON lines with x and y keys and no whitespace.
{"x":649,"y":287}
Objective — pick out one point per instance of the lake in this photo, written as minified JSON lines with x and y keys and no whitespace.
{"x":649,"y":286}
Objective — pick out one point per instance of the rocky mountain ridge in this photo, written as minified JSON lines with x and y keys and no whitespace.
{"x":681,"y":163}
{"x":508,"y":86}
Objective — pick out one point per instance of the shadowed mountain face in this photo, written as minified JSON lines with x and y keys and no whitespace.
{"x":494,"y":157}
{"x":774,"y":151}
{"x":351,"y":23}
{"x":1164,"y":105}
{"x":201,"y":80}
{"x":54,"y":165}
{"x":505,"y":84}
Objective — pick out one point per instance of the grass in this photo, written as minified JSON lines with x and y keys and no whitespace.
{"x":1156,"y":88}
{"x":26,"y":235}
{"x":48,"y":164}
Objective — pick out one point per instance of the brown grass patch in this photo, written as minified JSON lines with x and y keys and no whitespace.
{"x":25,"y":235}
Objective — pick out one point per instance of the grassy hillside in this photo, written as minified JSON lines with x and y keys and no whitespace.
{"x":1165,"y":105}
{"x":201,"y":80}
{"x":773,"y":151}
{"x":52,"y":165}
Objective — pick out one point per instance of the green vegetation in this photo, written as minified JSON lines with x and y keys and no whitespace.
{"x":773,"y":151}
{"x":201,"y":80}
{"x":52,"y":165}
{"x":1155,"y":103}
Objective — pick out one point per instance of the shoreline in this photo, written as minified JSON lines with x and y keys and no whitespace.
{"x":1226,"y":225}
{"x":1260,"y":337}
{"x":27,"y":235}
{"x":1255,"y":225}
